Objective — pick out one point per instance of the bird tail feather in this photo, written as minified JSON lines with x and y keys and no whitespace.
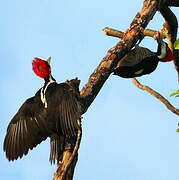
{"x":56,"y":148}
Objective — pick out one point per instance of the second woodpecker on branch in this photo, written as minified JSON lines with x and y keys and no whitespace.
{"x":140,"y":61}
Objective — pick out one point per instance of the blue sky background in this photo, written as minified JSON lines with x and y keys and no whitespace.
{"x":127,"y":134}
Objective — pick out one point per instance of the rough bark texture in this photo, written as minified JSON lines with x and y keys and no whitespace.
{"x":108,"y":63}
{"x":66,"y":166}
{"x":62,"y":173}
{"x":106,"y":66}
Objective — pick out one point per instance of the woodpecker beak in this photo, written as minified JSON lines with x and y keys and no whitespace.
{"x":49,"y":60}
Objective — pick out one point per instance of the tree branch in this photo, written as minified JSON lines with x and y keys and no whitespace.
{"x":105,"y":68}
{"x":171,"y":24}
{"x":65,"y":168}
{"x":171,"y":27}
{"x":157,"y":95}
{"x":130,"y":38}
{"x":146,"y":32}
{"x":169,"y":30}
{"x":172,"y":3}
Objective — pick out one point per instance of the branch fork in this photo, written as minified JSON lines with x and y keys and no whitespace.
{"x":105,"y":68}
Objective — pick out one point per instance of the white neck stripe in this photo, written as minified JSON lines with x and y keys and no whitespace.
{"x":42,"y":92}
{"x":163,"y":51}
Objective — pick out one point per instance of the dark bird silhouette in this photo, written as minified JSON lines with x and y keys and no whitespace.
{"x":54,"y":112}
{"x":140,"y":61}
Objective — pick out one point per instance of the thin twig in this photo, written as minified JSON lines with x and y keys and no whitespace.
{"x":157,"y":95}
{"x":147,"y":32}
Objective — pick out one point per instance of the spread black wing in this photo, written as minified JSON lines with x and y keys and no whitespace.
{"x":64,"y":106}
{"x":33,"y":123}
{"x":64,"y":103}
{"x":26,"y":130}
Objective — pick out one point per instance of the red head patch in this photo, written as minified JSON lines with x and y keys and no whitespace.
{"x":41,"y":68}
{"x":169,"y":56}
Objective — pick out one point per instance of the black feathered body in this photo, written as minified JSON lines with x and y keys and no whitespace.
{"x":139,"y":61}
{"x":34,"y":122}
{"x":146,"y":66}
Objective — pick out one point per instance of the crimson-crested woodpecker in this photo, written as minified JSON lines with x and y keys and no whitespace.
{"x":54,"y":112}
{"x":140,"y":61}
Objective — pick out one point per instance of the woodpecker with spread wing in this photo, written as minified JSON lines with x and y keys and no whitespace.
{"x":54,"y":112}
{"x":140,"y":61}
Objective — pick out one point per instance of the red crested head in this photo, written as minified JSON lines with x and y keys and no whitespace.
{"x":167,"y":53}
{"x":41,"y":67}
{"x":169,"y":56}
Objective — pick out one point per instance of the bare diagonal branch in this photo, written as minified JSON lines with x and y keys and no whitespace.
{"x":131,"y":36}
{"x":108,"y":63}
{"x":157,"y":95}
